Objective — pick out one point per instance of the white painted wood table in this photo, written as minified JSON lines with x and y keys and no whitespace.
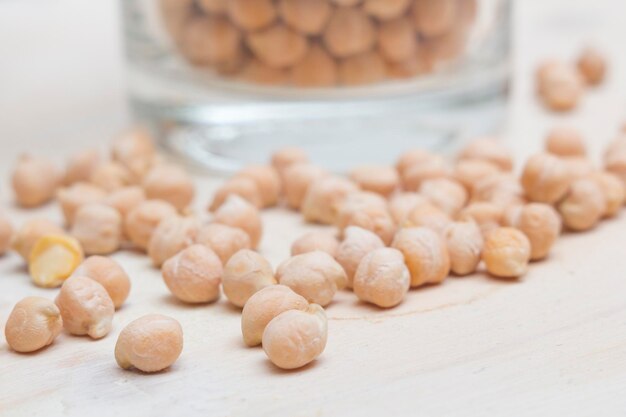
{"x":553,"y":343}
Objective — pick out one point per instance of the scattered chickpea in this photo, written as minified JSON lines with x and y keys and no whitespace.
{"x":506,"y":252}
{"x":172,"y":235}
{"x":613,"y":190}
{"x":263,"y":306}
{"x":324,"y":197}
{"x":402,"y":204}
{"x":285,"y":157}
{"x":428,"y":215}
{"x":125,"y":199}
{"x":560,"y":86}
{"x":316,"y":69}
{"x":433,"y":18}
{"x":382,"y":180}
{"x":488,"y":216}
{"x":81,"y":165}
{"x":488,"y":149}
{"x":306,"y":16}
{"x":386,"y":9}
{"x":109,"y":274}
{"x":6,"y":234}
{"x":447,"y":194}
{"x":252,"y":15}
{"x":578,"y":167}
{"x":244,"y":187}
{"x":397,"y":40}
{"x":110,"y":176}
{"x":150,"y":343}
{"x":369,"y":211}
{"x":278,"y":46}
{"x":592,"y":66}
{"x":357,"y":243}
{"x":30,"y":232}
{"x":224,"y":240}
{"x":267,"y":181}
{"x":237,"y":212}
{"x":33,"y":324}
{"x":194,"y":275}
{"x":77,"y":195}
{"x":86,"y":307}
{"x":382,"y":278}
{"x":349,"y":32}
{"x":135,"y":151}
{"x":98,"y":228}
{"x":425,"y":254}
{"x":583,"y":206}
{"x":539,"y":222}
{"x":545,"y":178}
{"x":470,"y":172}
{"x":314,"y":275}
{"x":312,"y":241}
{"x":615,"y":162}
{"x":465,"y":244}
{"x":502,"y":189}
{"x":365,"y":68}
{"x":169,"y":183}
{"x":53,"y":258}
{"x":245,"y":273}
{"x":140,"y":222}
{"x":35,"y":181}
{"x":414,"y":157}
{"x":565,"y":141}
{"x":297,"y":179}
{"x":431,"y":168}
{"x":296,"y":338}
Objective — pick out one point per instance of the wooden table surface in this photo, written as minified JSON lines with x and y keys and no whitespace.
{"x":552,"y":343}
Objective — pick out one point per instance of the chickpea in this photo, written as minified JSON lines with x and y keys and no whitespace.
{"x":402,"y":204}
{"x":425,"y":254}
{"x":211,"y":40}
{"x":237,"y":212}
{"x":278,"y":46}
{"x":346,"y":2}
{"x":169,"y":183}
{"x":6,"y":234}
{"x":110,"y":176}
{"x":615,"y":162}
{"x":488,"y":216}
{"x":488,"y":149}
{"x":172,"y":235}
{"x":267,"y":181}
{"x":506,"y":252}
{"x":140,"y":222}
{"x":194,"y":274}
{"x":382,"y":278}
{"x":357,"y":243}
{"x":386,"y":9}
{"x":583,"y":206}
{"x":545,"y":178}
{"x":502,"y":189}
{"x":252,"y":15}
{"x":314,"y":275}
{"x":175,"y":15}
{"x":296,"y":338}
{"x":383,"y":180}
{"x":465,"y":244}
{"x":613,"y":190}
{"x":430,"y":216}
{"x":565,"y":141}
{"x":369,"y":211}
{"x":33,"y":324}
{"x":305,"y":16}
{"x":578,"y":167}
{"x":245,"y":273}
{"x":397,"y":40}
{"x":312,"y":241}
{"x":433,"y":18}
{"x":561,"y":87}
{"x":285,"y":157}
{"x":224,"y":240}
{"x":213,"y":6}
{"x":86,"y":307}
{"x":125,"y":199}
{"x":30,"y":232}
{"x":446,"y":194}
{"x":255,"y":71}
{"x":107,"y":273}
{"x":98,"y":228}
{"x":77,"y":195}
{"x":414,"y":157}
{"x":263,"y":306}
{"x":53,"y":259}
{"x":429,"y":169}
{"x":34,"y":181}
{"x":365,"y":68}
{"x":135,"y":151}
{"x":81,"y":165}
{"x":592,"y":66}
{"x":150,"y":343}
{"x":316,"y":69}
{"x":349,"y":32}
{"x":297,"y":180}
{"x":445,"y":47}
{"x":417,"y":64}
{"x":324,"y":198}
{"x":244,"y":187}
{"x":469,"y":172}
{"x":539,"y":222}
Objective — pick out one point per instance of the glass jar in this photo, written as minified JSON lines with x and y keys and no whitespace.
{"x":226,"y":82}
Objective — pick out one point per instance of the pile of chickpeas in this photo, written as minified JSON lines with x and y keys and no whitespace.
{"x":319,"y":43}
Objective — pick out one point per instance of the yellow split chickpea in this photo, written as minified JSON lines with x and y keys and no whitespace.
{"x":382,"y":278}
{"x":109,"y":274}
{"x":81,"y":165}
{"x":86,"y":307}
{"x":470,"y":172}
{"x":583,"y":206}
{"x":172,"y":235}
{"x":53,"y":259}
{"x":488,"y":149}
{"x":245,"y":273}
{"x":506,"y":252}
{"x":314,"y":275}
{"x":546,"y":178}
{"x":77,"y":195}
{"x":465,"y":244}
{"x":296,"y":338}
{"x":252,"y":15}
{"x":125,"y":199}
{"x":278,"y":46}
{"x":425,"y":254}
{"x":98,"y":228}
{"x":312,"y":241}
{"x":539,"y":222}
{"x":135,"y":151}
{"x":324,"y":198}
{"x":267,"y":181}
{"x":316,"y":69}
{"x":6,"y":234}
{"x":305,"y":16}
{"x":365,"y":68}
{"x":613,"y":190}
{"x":592,"y":66}
{"x":488,"y":216}
{"x":35,"y":181}
{"x":285,"y":157}
{"x":386,"y":9}
{"x":237,"y":212}
{"x":33,"y":324}
{"x":447,"y":194}
{"x":140,"y":222}
{"x":566,"y":142}
{"x":349,"y":32}
{"x":194,"y":275}
{"x":402,"y":204}
{"x":369,"y":211}
{"x":433,"y":18}
{"x":150,"y":343}
{"x":263,"y":306}
{"x":110,"y":176}
{"x":169,"y":183}
{"x":224,"y":240}
{"x":297,"y":179}
{"x":357,"y":243}
{"x":383,"y":180}
{"x":244,"y":187}
{"x":30,"y":232}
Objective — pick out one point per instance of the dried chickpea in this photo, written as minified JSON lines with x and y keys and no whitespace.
{"x":278,"y":46}
{"x":109,"y":274}
{"x":256,"y":72}
{"x":324,"y":198}
{"x":53,"y":258}
{"x":365,"y":68}
{"x":346,"y":2}
{"x":349,"y":32}
{"x":80,"y":166}
{"x":445,"y":47}
{"x":506,"y":252}
{"x":6,"y":234}
{"x":169,"y":183}
{"x":263,"y":306}
{"x":382,"y":278}
{"x":433,"y":18}
{"x":175,"y":15}
{"x":77,"y":195}
{"x":414,"y":157}
{"x":135,"y":151}
{"x":369,"y":211}
{"x":430,"y":168}
{"x":383,"y":180}
{"x":402,"y":204}
{"x":194,"y":274}
{"x":316,"y":69}
{"x":110,"y":176}
{"x":465,"y":244}
{"x":488,"y":216}
{"x":425,"y":254}
{"x":592,"y":66}
{"x":469,"y":172}
{"x":490,"y":150}
{"x":267,"y":182}
{"x":244,"y":187}
{"x":448,"y":195}
{"x":539,"y":222}
{"x":86,"y":307}
{"x":30,"y":232}
{"x":583,"y":206}
{"x":417,"y":64}
{"x":140,"y":222}
{"x":237,"y":212}
{"x":560,"y":86}
{"x":615,"y":162}
{"x":296,"y":338}
{"x":565,"y":141}
{"x":545,"y":178}
{"x":173,"y":234}
{"x":386,"y":9}
{"x":430,"y":216}
{"x":252,"y":15}
{"x":397,"y":40}
{"x":224,"y":240}
{"x":613,"y":190}
{"x":33,"y":324}
{"x":578,"y":167}
{"x":213,"y":6}
{"x":125,"y":199}
{"x":503,"y":189}
{"x":98,"y":228}
{"x":211,"y":40}
{"x":357,"y":243}
{"x":150,"y":343}
{"x":312,"y":241}
{"x":285,"y":157}
{"x":35,"y":181}
{"x":305,"y":16}
{"x":297,"y":180}
{"x":245,"y":273}
{"x":314,"y":275}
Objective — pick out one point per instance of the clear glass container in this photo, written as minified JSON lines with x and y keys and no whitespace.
{"x":226,"y":82}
